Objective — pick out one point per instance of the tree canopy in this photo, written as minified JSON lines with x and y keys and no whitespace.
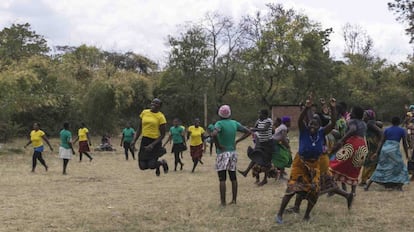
{"x":261,"y":60}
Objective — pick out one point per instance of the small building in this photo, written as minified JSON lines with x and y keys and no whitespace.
{"x":293,"y":111}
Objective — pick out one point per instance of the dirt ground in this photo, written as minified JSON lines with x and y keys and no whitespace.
{"x":112,"y":194}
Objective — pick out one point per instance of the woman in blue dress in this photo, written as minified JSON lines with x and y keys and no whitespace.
{"x":391,"y":170}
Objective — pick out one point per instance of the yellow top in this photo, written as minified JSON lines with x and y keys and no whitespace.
{"x":36,"y":138}
{"x":151,"y":123}
{"x":196,"y":135}
{"x":82,"y":133}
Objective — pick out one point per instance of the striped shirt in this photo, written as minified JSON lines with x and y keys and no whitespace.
{"x":264,"y":135}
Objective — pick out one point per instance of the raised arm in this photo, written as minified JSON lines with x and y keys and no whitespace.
{"x":328,"y":128}
{"x":303,"y":114}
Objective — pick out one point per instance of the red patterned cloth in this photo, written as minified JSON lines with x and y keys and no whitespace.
{"x":349,"y":159}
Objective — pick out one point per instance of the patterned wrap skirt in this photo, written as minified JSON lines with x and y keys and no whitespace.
{"x":349,"y":159}
{"x":226,"y":161}
{"x":391,"y":167}
{"x":304,"y":177}
{"x":83,"y":146}
{"x":196,"y":152}
{"x":327,"y":182}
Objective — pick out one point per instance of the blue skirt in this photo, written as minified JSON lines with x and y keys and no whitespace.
{"x":391,"y":167}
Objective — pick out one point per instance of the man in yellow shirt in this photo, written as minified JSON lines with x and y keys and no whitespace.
{"x":36,"y":139}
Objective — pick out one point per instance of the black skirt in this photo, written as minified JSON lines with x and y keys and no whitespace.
{"x":156,"y":152}
{"x":178,"y":147}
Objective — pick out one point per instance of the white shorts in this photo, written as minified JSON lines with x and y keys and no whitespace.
{"x":65,"y":153}
{"x":226,"y":161}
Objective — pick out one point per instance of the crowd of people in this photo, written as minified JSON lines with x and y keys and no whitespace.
{"x":334,"y":146}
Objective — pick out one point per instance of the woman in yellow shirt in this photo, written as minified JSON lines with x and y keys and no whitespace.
{"x":152,"y":126}
{"x":36,"y":139}
{"x":197,"y":145}
{"x":84,"y":142}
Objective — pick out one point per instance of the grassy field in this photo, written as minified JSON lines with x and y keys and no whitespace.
{"x":112,"y":194}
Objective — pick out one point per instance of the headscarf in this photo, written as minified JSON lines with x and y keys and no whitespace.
{"x":285,"y":119}
{"x":370,"y":114}
{"x":224,"y":111}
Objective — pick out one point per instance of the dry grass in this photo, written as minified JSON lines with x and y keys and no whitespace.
{"x":111,"y":194}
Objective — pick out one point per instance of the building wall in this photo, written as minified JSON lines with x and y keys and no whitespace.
{"x":293,"y":111}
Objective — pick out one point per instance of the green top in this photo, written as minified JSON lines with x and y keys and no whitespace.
{"x":227,"y":129}
{"x":176,"y":134}
{"x":65,"y":138}
{"x":128,"y":134}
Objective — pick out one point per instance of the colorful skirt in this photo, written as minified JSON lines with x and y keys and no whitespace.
{"x":281,"y":157}
{"x":271,"y":171}
{"x":304,"y":177}
{"x":391,"y":167}
{"x":226,"y":161}
{"x":196,"y":152}
{"x":83,"y":146}
{"x":327,"y":182}
{"x":349,"y":159}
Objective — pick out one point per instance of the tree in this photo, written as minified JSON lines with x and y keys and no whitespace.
{"x":357,"y":41}
{"x":186,"y":73}
{"x":19,"y":41}
{"x":405,"y":11}
{"x":225,"y":40}
{"x":279,"y":48}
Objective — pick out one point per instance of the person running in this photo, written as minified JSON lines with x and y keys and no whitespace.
{"x":152,"y":126}
{"x":84,"y":142}
{"x":263,"y":129}
{"x":224,"y":137}
{"x":66,"y":147}
{"x":391,"y":170}
{"x":195,"y":134}
{"x":37,"y":136}
{"x":352,"y":153}
{"x":305,"y":173}
{"x":127,"y":136}
{"x":282,"y":154}
{"x":177,"y":134}
{"x":326,"y":181}
{"x":374,"y":138}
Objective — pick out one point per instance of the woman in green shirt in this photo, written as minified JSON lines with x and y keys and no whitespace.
{"x":127,"y":137}
{"x":66,"y":149}
{"x":177,"y":133}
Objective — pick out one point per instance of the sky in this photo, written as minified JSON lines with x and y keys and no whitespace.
{"x":142,"y":26}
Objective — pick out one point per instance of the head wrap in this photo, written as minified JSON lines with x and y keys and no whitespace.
{"x":285,"y":119}
{"x":224,"y":111}
{"x":370,"y":114}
